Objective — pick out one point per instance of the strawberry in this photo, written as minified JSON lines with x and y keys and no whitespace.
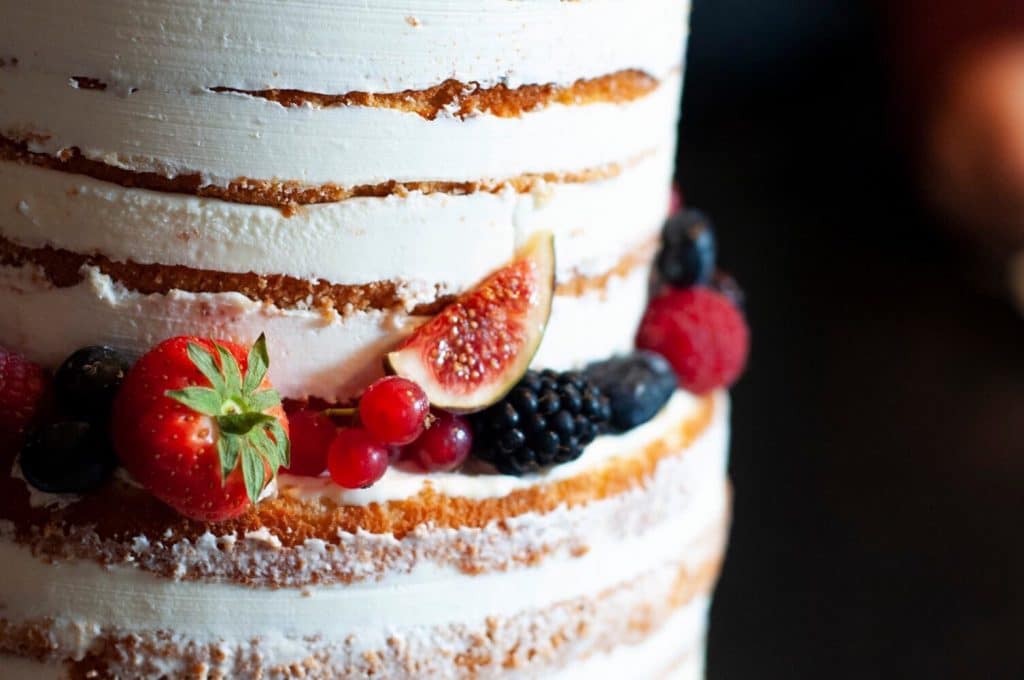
{"x":197,"y":423}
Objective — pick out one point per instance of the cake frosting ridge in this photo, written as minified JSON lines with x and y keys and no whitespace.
{"x":327,"y":182}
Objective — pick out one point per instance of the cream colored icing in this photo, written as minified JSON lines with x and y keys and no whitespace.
{"x":313,"y":353}
{"x":454,"y":240}
{"x":226,"y":136}
{"x":336,"y":46}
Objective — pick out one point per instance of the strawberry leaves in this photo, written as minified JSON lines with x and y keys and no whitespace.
{"x":247,"y":436}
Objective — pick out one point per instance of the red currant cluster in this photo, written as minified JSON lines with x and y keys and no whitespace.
{"x":395,"y":423}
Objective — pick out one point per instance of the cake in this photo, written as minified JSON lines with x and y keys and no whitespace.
{"x":336,"y":176}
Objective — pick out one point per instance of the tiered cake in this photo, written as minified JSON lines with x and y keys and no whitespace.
{"x":332,"y":173}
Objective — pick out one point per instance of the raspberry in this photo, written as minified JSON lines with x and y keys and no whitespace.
{"x":355,"y":459}
{"x":311,"y":434}
{"x":702,"y":335}
{"x":24,"y":392}
{"x":393,"y":410}
{"x":444,"y":445}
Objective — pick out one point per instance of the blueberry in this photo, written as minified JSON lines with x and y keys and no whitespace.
{"x":637,"y":386}
{"x":687,"y":255}
{"x":85,"y":384}
{"x":70,"y":456}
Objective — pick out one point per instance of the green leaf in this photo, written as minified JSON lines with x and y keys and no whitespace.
{"x":204,"y":361}
{"x":205,"y":400}
{"x":228,"y":448}
{"x":242,"y":423}
{"x":282,"y":442}
{"x":253,"y":471}
{"x":232,"y":373}
{"x":256,"y":366}
{"x":267,"y":448}
{"x":264,"y":399}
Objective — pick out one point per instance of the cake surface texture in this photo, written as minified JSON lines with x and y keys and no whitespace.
{"x":334,"y":176}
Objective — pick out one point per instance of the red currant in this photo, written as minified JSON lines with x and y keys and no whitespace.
{"x":444,"y":445}
{"x":311,"y":434}
{"x":355,"y":459}
{"x":393,"y":410}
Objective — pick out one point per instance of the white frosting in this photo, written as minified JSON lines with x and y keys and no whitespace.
{"x":597,"y":325}
{"x":88,"y":596}
{"x":225,"y":136}
{"x":397,"y":484}
{"x":683,"y":631}
{"x":312,"y":353}
{"x":336,"y":46}
{"x":683,"y":634}
{"x":355,"y":241}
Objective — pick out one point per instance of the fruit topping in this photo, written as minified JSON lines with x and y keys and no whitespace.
{"x":393,"y":410}
{"x":477,"y":348}
{"x":702,"y":335}
{"x":675,"y":200}
{"x":355,"y":459}
{"x":444,"y":445}
{"x":85,"y":384}
{"x":197,"y":423}
{"x":24,"y":394}
{"x":687,"y":255}
{"x":547,"y":419}
{"x":637,"y":386}
{"x":69,"y":456}
{"x":311,"y":433}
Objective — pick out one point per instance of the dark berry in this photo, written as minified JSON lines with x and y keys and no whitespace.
{"x":444,"y":445}
{"x":70,"y":456}
{"x":637,"y":386}
{"x":547,"y":419}
{"x":87,"y":381}
{"x":687,"y":255}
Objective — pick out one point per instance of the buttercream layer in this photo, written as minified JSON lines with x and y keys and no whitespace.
{"x":451,"y":240}
{"x":286,"y":195}
{"x":527,"y":641}
{"x":314,"y":353}
{"x":667,"y":476}
{"x":224,"y":137}
{"x":340,"y":46}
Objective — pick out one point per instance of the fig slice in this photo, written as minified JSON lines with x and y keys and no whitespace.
{"x":477,"y":348}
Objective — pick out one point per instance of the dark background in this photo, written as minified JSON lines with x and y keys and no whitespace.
{"x":878,"y":447}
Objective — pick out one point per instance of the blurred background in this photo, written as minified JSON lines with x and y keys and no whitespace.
{"x":864,"y":164}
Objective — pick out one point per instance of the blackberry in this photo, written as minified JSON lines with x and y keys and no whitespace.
{"x":547,"y":419}
{"x":637,"y":386}
{"x":688,"y":250}
{"x":85,"y":384}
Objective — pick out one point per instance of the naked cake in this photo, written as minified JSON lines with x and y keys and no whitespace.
{"x":349,"y":339}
